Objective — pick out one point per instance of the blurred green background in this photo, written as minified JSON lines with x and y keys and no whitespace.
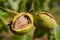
{"x":52,"y":6}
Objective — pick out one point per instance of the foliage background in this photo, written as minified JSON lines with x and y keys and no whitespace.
{"x":52,"y":6}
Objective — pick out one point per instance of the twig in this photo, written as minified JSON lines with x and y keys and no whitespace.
{"x":9,"y":11}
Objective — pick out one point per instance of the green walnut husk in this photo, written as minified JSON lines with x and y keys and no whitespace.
{"x":18,"y":25}
{"x":45,"y":20}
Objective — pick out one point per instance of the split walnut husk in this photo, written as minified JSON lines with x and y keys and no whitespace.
{"x":22,"y":23}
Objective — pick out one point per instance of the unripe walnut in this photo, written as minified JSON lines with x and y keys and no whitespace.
{"x":45,"y":19}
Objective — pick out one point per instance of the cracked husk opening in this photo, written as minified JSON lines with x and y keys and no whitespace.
{"x":22,"y":22}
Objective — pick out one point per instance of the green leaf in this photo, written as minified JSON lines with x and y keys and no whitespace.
{"x":45,"y":5}
{"x":21,"y":37}
{"x":14,"y":4}
{"x":51,"y":35}
{"x":4,"y":17}
{"x":2,"y":0}
{"x":1,"y":30}
{"x":39,"y":33}
{"x":57,"y":32}
{"x":16,"y":37}
{"x":1,"y":25}
{"x":29,"y":4}
{"x":26,"y":37}
{"x":5,"y":28}
{"x":26,"y":5}
{"x":22,"y":5}
{"x":4,"y":14}
{"x":1,"y":37}
{"x":3,"y":21}
{"x":39,"y":4}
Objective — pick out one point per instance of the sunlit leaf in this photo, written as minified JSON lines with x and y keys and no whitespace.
{"x":57,"y":32}
{"x":16,"y":37}
{"x":14,"y":4}
{"x":3,"y":21}
{"x":26,"y":37}
{"x":3,"y":27}
{"x":45,"y":5}
{"x":4,"y":17}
